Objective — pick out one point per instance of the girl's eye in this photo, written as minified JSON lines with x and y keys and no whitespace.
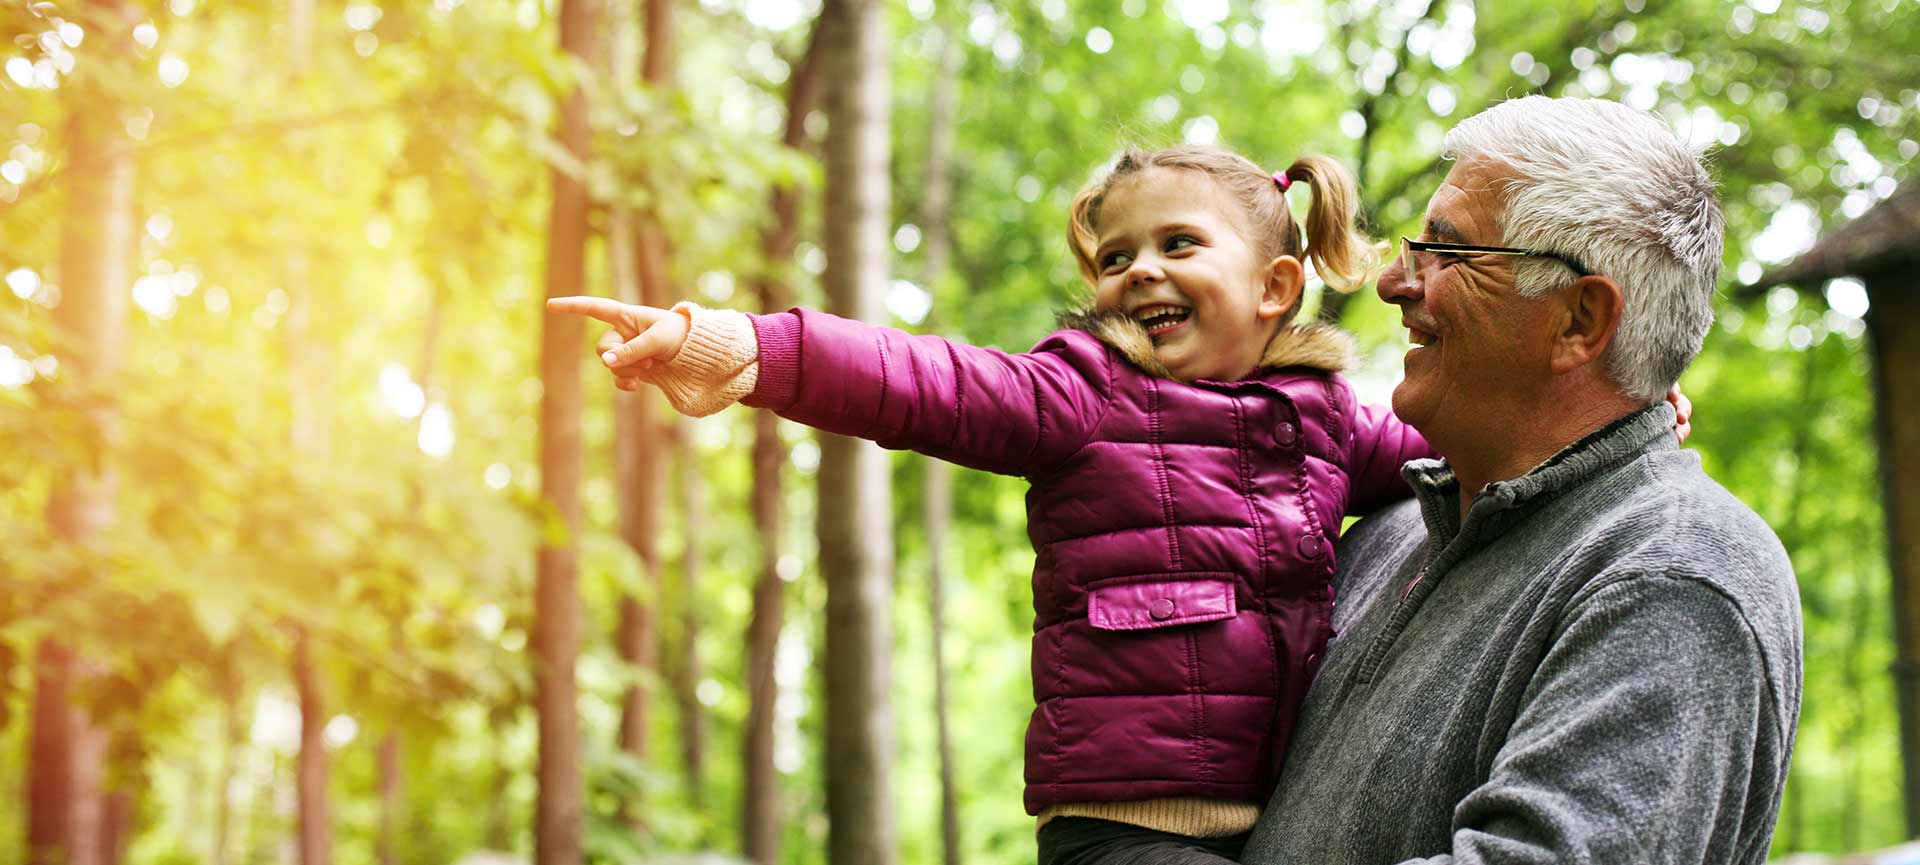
{"x":1180,"y":241}
{"x":1114,"y":259}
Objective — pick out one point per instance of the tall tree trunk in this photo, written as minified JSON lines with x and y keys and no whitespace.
{"x":315,"y":842}
{"x":560,"y":810}
{"x":636,"y":480}
{"x":121,"y":784}
{"x":300,"y":34}
{"x":388,"y":844}
{"x":116,"y":825}
{"x":313,"y":820}
{"x":1893,"y":335}
{"x":656,"y":64}
{"x":309,"y":439}
{"x":65,"y":752}
{"x":637,"y":469}
{"x":499,"y":833}
{"x":760,"y":802}
{"x":693,"y":508}
{"x":193,"y":812}
{"x":229,"y":767}
{"x":641,"y":270}
{"x":64,"y":758}
{"x":392,"y":803}
{"x":939,"y":516}
{"x":760,"y":806}
{"x":855,"y":507}
{"x":1857,"y":682}
{"x":936,"y":219}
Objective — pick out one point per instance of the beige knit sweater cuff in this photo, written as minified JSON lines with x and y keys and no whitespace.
{"x":1194,"y":817}
{"x":717,"y":365}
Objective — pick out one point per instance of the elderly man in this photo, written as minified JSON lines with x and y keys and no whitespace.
{"x":1573,"y":646}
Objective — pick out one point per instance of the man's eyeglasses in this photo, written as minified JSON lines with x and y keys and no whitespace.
{"x":1409,"y":261}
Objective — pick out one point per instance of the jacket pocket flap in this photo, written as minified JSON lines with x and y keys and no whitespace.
{"x":1138,"y":606}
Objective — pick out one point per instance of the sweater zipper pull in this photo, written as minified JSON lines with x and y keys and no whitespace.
{"x":1408,"y":591}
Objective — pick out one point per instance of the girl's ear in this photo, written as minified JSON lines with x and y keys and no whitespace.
{"x":1284,"y":281}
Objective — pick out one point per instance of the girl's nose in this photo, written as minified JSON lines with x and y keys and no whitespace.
{"x":1144,"y":271}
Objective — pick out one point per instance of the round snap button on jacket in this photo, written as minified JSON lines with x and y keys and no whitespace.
{"x":1161,"y":609}
{"x":1310,"y":547}
{"x":1286,"y":433}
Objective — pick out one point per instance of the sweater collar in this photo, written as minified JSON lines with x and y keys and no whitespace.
{"x":1316,"y":346}
{"x":1626,"y":438}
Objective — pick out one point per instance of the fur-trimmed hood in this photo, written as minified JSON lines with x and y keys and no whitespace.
{"x":1317,"y":346}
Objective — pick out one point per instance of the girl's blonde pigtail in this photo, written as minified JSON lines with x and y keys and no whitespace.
{"x":1080,"y":232}
{"x":1343,"y":256}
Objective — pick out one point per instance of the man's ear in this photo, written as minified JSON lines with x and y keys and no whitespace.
{"x":1281,"y":294}
{"x":1590,"y":316}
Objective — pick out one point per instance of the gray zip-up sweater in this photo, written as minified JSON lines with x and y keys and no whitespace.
{"x":1600,"y":665}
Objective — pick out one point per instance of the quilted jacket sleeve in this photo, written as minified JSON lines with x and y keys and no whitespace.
{"x":1382,"y":443}
{"x":1017,"y":414}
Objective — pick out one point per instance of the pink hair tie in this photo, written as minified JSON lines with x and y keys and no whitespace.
{"x":1280,"y":180}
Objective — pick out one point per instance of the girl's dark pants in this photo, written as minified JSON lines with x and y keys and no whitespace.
{"x":1087,"y":841}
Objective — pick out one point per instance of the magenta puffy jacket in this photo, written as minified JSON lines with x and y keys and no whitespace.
{"x":1184,"y":533}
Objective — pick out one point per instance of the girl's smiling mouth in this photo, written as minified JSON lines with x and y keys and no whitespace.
{"x":1161,"y":318}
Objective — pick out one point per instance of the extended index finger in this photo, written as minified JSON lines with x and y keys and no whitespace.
{"x":610,"y":311}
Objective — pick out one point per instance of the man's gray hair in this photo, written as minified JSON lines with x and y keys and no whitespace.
{"x":1612,"y":187}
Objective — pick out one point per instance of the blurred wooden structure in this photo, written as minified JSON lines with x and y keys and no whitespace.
{"x":1882,"y":250}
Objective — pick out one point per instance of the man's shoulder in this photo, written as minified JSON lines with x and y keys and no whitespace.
{"x":1678,"y":532}
{"x":1675,"y":523}
{"x":1673,"y":519}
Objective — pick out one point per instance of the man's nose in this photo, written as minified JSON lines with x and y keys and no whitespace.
{"x":1395,"y":286}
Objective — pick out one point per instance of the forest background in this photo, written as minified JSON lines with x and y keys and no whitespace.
{"x":306,"y":507}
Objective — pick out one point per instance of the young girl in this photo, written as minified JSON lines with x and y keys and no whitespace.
{"x":1191,"y":453}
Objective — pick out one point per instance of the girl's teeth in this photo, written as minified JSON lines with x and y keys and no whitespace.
{"x":1162,"y":319}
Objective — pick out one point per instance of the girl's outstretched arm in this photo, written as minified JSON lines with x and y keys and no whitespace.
{"x":1010,"y":413}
